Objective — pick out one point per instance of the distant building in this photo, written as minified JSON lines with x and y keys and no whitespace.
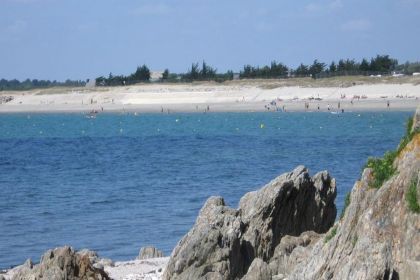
{"x":156,"y":76}
{"x":90,"y":83}
{"x":236,"y":76}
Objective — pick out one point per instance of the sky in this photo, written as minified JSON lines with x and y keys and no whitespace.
{"x":80,"y":39}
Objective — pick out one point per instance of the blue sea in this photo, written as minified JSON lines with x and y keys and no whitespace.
{"x":122,"y":181}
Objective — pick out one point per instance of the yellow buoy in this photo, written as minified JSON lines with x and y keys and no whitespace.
{"x":262,"y":125}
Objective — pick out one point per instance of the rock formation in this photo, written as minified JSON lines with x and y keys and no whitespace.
{"x":149,"y":252}
{"x":227,"y":243}
{"x":61,"y":263}
{"x":280,"y":231}
{"x":379,"y":236}
{"x":285,"y":230}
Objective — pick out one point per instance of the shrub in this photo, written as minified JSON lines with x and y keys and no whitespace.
{"x":408,"y":135}
{"x":382,"y":168}
{"x":411,"y":196}
{"x":346,"y":204}
{"x":330,"y":234}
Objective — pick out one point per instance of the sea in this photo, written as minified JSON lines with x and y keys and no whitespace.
{"x":121,"y":181}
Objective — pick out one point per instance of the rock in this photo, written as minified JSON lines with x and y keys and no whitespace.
{"x":212,"y":248}
{"x":61,"y":263}
{"x":378,"y":237}
{"x":291,"y":251}
{"x":416,"y":120}
{"x":224,"y":242}
{"x":258,"y":270}
{"x":289,"y":205}
{"x":149,"y":252}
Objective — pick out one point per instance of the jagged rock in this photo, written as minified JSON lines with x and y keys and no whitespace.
{"x":291,"y":251}
{"x":149,"y":252}
{"x":378,"y":237}
{"x":258,"y":270}
{"x":289,"y":205}
{"x":211,"y":249}
{"x":224,"y":242}
{"x":61,"y":263}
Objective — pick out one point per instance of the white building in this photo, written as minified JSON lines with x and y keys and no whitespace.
{"x":156,"y":76}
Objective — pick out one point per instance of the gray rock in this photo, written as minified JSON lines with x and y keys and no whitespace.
{"x":149,"y":252}
{"x":258,"y":270}
{"x":416,"y":120}
{"x":61,"y":263}
{"x":224,"y":241}
{"x":212,"y":248}
{"x":378,"y":237}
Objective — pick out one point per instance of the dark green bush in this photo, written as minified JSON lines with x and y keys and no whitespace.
{"x":408,"y":135}
{"x":411,"y":196}
{"x":382,"y":168}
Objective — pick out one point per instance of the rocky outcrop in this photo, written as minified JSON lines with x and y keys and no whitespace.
{"x":286,"y":230}
{"x":149,"y":252}
{"x":61,"y":263}
{"x":228,"y":243}
{"x":379,"y":236}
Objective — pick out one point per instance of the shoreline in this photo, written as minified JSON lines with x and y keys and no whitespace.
{"x":262,"y":96}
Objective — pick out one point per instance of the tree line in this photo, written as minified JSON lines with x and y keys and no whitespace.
{"x":35,"y":83}
{"x":381,"y":64}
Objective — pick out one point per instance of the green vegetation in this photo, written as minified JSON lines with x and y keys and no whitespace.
{"x":408,"y":135}
{"x":275,"y":70}
{"x":33,"y":84}
{"x":411,"y":196}
{"x":346,"y":204}
{"x":383,"y":168}
{"x":330,"y":234}
{"x":381,"y":64}
{"x":142,"y":74}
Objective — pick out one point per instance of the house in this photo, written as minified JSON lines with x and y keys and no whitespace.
{"x":155,"y":76}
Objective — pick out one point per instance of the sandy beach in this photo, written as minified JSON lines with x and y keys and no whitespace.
{"x":234,"y":96}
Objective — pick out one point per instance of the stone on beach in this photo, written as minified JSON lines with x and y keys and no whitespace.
{"x":149,"y":252}
{"x":60,"y":263}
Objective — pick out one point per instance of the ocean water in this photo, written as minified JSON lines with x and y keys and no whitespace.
{"x":122,"y":181}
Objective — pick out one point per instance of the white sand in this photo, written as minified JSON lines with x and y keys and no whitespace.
{"x":149,"y":269}
{"x":219,"y":97}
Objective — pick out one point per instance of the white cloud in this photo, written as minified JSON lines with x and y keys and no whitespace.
{"x":356,"y":25}
{"x":152,"y":9}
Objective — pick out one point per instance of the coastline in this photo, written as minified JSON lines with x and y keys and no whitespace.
{"x":209,"y":97}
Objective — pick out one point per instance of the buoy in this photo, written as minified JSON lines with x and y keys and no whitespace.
{"x":262,"y":125}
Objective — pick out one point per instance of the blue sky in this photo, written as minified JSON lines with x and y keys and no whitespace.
{"x":79,"y":39}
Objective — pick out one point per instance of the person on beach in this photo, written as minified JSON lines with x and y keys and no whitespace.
{"x":387,"y":103}
{"x":338,"y":105}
